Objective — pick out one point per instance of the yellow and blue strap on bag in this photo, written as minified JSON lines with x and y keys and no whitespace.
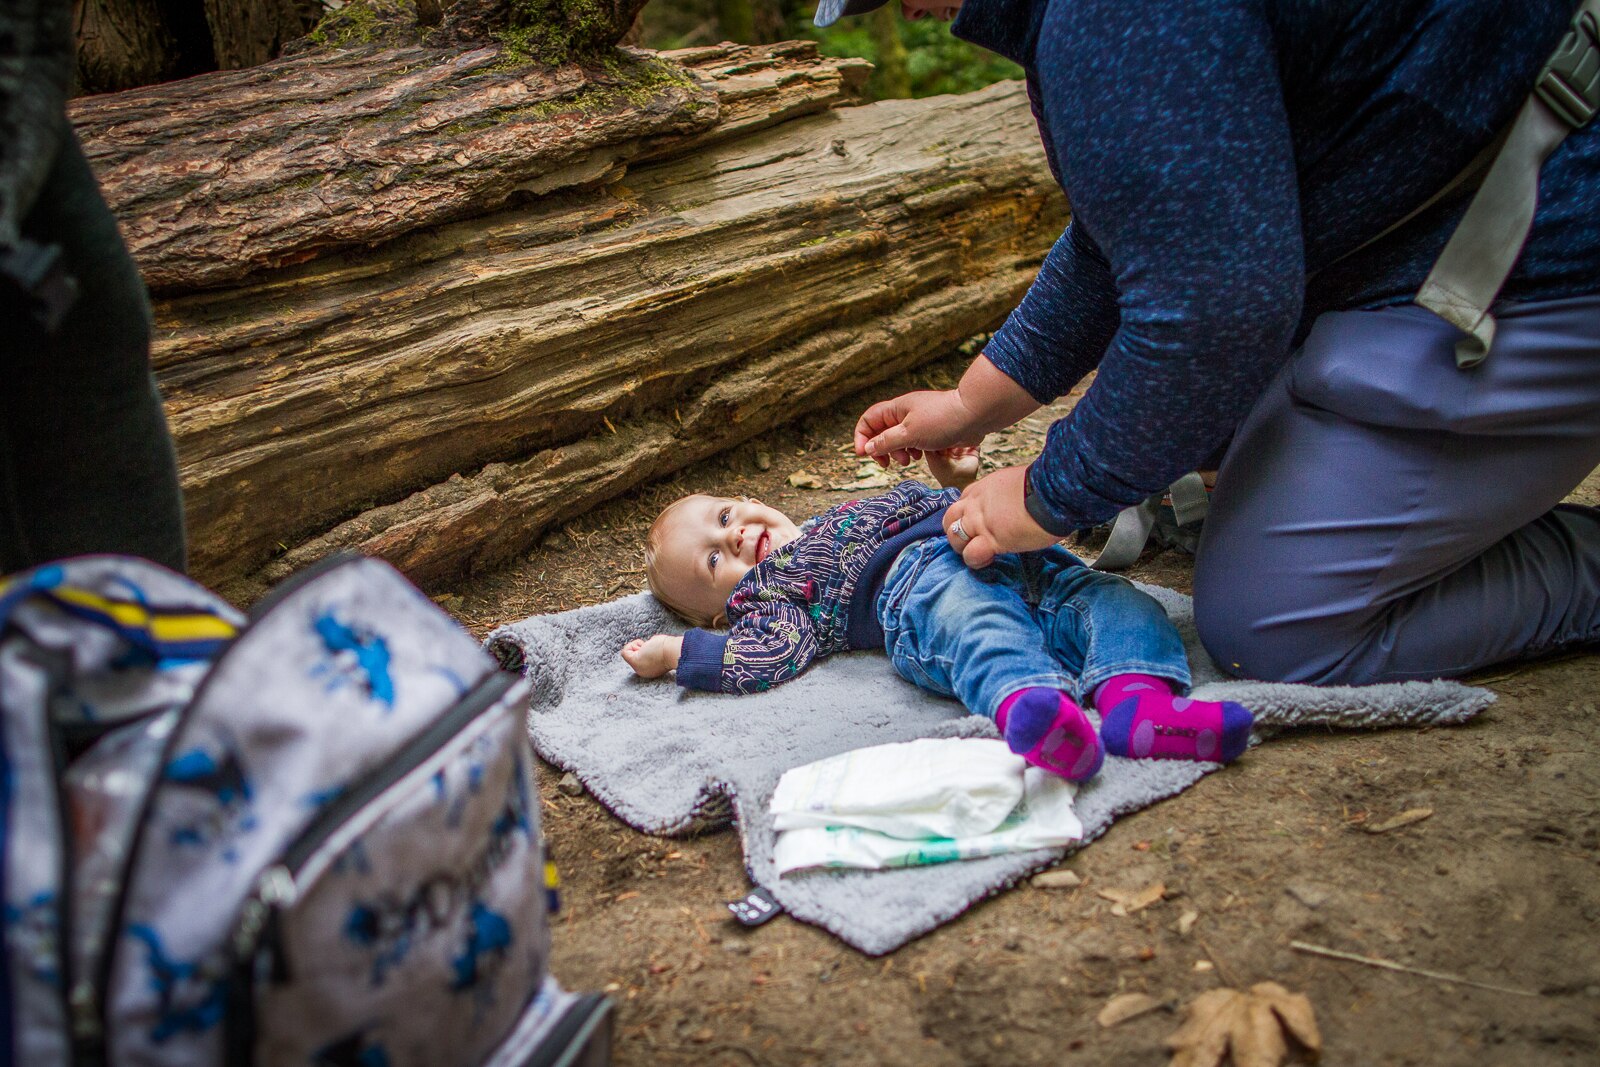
{"x":163,"y":631}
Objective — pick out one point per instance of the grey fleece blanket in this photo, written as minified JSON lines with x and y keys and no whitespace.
{"x":668,"y":761}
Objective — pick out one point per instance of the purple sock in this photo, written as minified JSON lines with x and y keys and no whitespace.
{"x":1142,"y":718}
{"x":1047,"y":729}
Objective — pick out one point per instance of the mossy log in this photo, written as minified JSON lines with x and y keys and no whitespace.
{"x":219,"y":177}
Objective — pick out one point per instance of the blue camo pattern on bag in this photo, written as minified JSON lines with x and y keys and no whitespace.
{"x":335,"y":852}
{"x":100,"y":642}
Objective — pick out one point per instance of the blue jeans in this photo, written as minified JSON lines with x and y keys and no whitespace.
{"x":1030,"y":619}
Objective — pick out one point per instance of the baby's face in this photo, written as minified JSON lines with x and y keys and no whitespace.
{"x":707,"y":543}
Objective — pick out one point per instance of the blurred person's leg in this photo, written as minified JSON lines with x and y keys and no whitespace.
{"x":86,"y":460}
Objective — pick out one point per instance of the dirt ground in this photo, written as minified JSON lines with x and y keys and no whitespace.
{"x":1500,"y":885}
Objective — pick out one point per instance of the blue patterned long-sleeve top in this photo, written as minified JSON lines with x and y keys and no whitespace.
{"x":1221,"y":156}
{"x":814,"y":596}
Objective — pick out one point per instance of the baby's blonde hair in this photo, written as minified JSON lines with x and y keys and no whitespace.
{"x":652,"y":576}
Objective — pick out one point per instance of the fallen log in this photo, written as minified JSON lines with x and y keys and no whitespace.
{"x":218,"y":177}
{"x":467,"y":522}
{"x":441,"y":398}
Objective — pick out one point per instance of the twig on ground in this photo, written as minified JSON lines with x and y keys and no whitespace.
{"x":1390,"y":965}
{"x":1223,"y":972}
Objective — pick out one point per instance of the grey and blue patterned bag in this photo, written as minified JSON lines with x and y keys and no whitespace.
{"x":307,"y":837}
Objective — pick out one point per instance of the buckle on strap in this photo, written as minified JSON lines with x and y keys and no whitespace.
{"x":1570,"y":82}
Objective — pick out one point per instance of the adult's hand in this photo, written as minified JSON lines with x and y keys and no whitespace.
{"x":927,"y":420}
{"x":994,"y":519}
{"x":907,"y":426}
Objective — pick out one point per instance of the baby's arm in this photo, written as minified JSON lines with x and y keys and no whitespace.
{"x":769,"y":644}
{"x":954,"y":468}
{"x":651,"y":657}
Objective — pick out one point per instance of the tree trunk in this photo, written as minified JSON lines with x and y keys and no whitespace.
{"x":737,"y":20}
{"x":891,"y":80}
{"x":120,"y":44}
{"x":640,"y":303}
{"x":245,"y":33}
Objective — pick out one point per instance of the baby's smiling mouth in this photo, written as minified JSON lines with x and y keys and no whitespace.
{"x":763,"y":546}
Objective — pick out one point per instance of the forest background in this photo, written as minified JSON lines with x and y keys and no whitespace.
{"x":127,"y":43}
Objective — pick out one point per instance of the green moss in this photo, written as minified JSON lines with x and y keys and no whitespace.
{"x":834,"y":236}
{"x":390,"y":22}
{"x":556,"y":31}
{"x":617,"y":80}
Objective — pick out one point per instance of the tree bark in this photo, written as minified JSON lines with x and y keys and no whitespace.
{"x":220,"y":177}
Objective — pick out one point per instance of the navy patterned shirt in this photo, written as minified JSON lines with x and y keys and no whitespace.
{"x":1220,"y":156}
{"x":815,"y":595}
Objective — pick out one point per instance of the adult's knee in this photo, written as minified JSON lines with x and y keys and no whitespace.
{"x":1254,"y":627}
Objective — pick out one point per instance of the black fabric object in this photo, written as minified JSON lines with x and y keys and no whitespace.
{"x":86,"y":459}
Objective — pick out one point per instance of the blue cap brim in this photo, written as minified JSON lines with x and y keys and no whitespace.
{"x":831,"y":11}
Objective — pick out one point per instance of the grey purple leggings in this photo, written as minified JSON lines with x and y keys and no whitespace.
{"x":1383,"y":516}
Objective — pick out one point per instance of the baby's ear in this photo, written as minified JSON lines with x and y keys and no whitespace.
{"x":720,"y":620}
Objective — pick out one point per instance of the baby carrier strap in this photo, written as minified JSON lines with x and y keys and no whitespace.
{"x":1478,"y":258}
{"x":1131,"y":529}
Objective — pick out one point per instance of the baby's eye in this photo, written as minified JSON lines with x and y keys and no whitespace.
{"x":723,"y":515}
{"x":714,"y":559}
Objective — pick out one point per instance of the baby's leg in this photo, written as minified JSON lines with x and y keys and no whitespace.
{"x":971,"y":635}
{"x":1130,"y":660}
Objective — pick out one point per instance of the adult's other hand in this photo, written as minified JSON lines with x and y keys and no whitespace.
{"x":904,"y":428}
{"x":993,"y":519}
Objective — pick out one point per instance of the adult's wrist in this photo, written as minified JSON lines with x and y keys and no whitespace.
{"x":991,"y":398}
{"x":1039,"y":509}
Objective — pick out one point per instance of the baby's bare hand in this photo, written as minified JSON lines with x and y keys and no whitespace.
{"x":651,"y":657}
{"x":956,"y":467}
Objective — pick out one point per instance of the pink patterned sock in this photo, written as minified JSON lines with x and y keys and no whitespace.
{"x":1142,"y":718}
{"x":1047,"y":729}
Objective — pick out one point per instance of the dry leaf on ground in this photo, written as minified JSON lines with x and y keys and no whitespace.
{"x":1128,"y":901}
{"x":1405,"y":818}
{"x":1057,"y":880}
{"x":1125,"y":1006}
{"x":869,"y":476}
{"x":1253,"y":1026}
{"x":805,"y":480}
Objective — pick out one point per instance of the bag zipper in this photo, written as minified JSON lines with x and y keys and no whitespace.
{"x":86,"y":997}
{"x":77,"y":994}
{"x":258,"y":928}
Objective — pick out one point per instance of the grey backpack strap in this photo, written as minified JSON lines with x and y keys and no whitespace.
{"x":1131,"y":530}
{"x":1189,"y":499}
{"x":1129,"y":533}
{"x":1480,"y":254}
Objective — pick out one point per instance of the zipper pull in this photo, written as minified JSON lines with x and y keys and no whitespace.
{"x":84,"y":1001}
{"x":88,"y":1031}
{"x":258,"y":919}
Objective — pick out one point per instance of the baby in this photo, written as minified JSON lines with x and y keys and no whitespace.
{"x":1026,"y":641}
